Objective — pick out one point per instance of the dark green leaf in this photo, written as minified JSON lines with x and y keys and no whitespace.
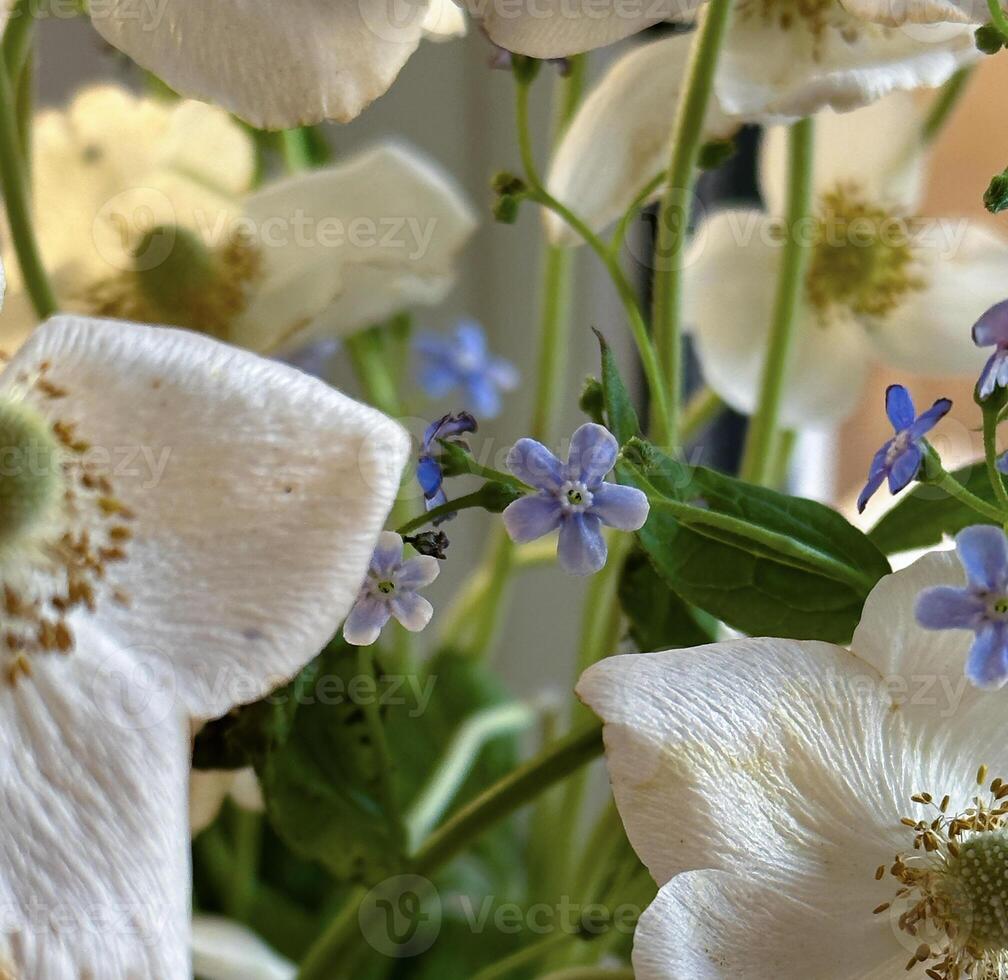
{"x":620,"y":412}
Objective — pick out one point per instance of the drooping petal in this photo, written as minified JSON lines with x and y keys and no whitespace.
{"x":944,"y":607}
{"x":994,"y":374}
{"x":905,"y":467}
{"x":430,"y":476}
{"x":900,"y":407}
{"x":983,"y":551}
{"x":593,"y":452}
{"x":387,"y":555}
{"x":318,"y":61}
{"x":581,"y":549}
{"x":225,"y":950}
{"x":876,"y":149}
{"x":625,"y":508}
{"x":258,"y":494}
{"x":413,"y":611}
{"x":558,"y":28}
{"x":877,"y":473}
{"x":962,"y":267}
{"x":730,"y":280}
{"x":992,"y":327}
{"x":930,"y":418}
{"x":619,"y":138}
{"x":366,"y":621}
{"x":418,"y":572}
{"x":770,"y":72}
{"x":348,"y":246}
{"x":528,"y":518}
{"x":535,"y":465}
{"x":987,"y":666}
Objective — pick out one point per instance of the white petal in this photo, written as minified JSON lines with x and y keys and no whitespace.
{"x":964,"y":267}
{"x":351,"y":245}
{"x":259,"y":494}
{"x":619,"y":138}
{"x":708,"y":925}
{"x":877,"y":148}
{"x":94,"y":858}
{"x":246,"y":791}
{"x":444,"y":20}
{"x":316,"y":60}
{"x":778,"y":759}
{"x":730,"y":283}
{"x":897,"y":12}
{"x":557,"y":28}
{"x":225,"y":950}
{"x":208,"y":788}
{"x":767,"y":73}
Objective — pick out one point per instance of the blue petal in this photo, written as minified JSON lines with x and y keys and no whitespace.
{"x":994,"y":373}
{"x":415,"y":573}
{"x":436,"y":379}
{"x":470,"y":341}
{"x":387,"y":554}
{"x":592,"y":455}
{"x":992,"y":327}
{"x":929,"y":419}
{"x":413,"y":611}
{"x":946,"y":608}
{"x":625,"y":508}
{"x":365,"y":621}
{"x":535,"y":465}
{"x":876,"y":475}
{"x":503,"y":374}
{"x":899,"y":407}
{"x":438,"y":498}
{"x":482,"y":396}
{"x":447,"y":427}
{"x":581,"y":549}
{"x":429,"y":475}
{"x":983,"y":552}
{"x":1002,"y":463}
{"x":987,"y":665}
{"x":528,"y":518}
{"x":432,"y":345}
{"x":905,"y":467}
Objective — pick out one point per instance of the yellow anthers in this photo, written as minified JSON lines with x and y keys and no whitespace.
{"x":812,"y":15}
{"x":862,"y":257}
{"x":953,"y":897}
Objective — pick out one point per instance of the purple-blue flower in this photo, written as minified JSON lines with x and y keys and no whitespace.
{"x":390,"y":589}
{"x":573,"y":498}
{"x":900,"y":459}
{"x":981,"y":607}
{"x":429,"y":474}
{"x":992,"y":330}
{"x":460,"y":362}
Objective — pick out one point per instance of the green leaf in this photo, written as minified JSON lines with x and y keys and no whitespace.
{"x":659,"y":619}
{"x":763,"y":562}
{"x":620,"y":412}
{"x":924,"y":515}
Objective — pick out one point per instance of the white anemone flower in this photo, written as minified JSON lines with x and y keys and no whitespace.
{"x":144,"y":211}
{"x":225,"y":950}
{"x":883,"y":284}
{"x":310,"y":61}
{"x":183,"y":525}
{"x":783,"y":792}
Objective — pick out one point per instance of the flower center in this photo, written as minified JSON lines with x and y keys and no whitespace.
{"x":899,"y":445}
{"x":575,"y":497}
{"x":862,"y":257}
{"x":386,"y":587}
{"x":999,"y":606}
{"x":953,"y":898}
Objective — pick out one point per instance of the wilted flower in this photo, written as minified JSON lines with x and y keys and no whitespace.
{"x":429,"y":473}
{"x":991,"y":330}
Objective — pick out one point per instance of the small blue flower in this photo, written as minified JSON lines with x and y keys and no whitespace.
{"x":573,"y":498}
{"x":390,"y":589}
{"x":429,"y":475}
{"x":992,"y":330}
{"x":981,"y":607}
{"x":900,"y":458}
{"x":461,"y":362}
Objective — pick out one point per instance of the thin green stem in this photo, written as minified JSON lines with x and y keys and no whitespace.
{"x":554,"y":337}
{"x":757,"y":459}
{"x":16,"y":193}
{"x":945,"y":102}
{"x":998,"y":18}
{"x":246,"y":832}
{"x":373,"y":372}
{"x":487,"y":617}
{"x":322,"y":960}
{"x":676,"y":205}
{"x":945,"y":481}
{"x":990,"y":419}
{"x":703,"y":407}
{"x":466,"y":502}
{"x":525,"y":957}
{"x":619,"y":235}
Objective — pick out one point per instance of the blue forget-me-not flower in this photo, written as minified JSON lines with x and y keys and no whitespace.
{"x":992,"y":330}
{"x":429,"y":474}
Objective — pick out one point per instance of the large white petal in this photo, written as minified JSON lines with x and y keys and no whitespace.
{"x":782,"y":74}
{"x":730,"y":283}
{"x":619,"y":138}
{"x":445,"y":20}
{"x":351,"y":245}
{"x":259,"y":493}
{"x":877,"y":149}
{"x":964,"y":267}
{"x":225,"y":950}
{"x":557,"y":28}
{"x":898,"y":12}
{"x":94,"y":862}
{"x":276,"y":68}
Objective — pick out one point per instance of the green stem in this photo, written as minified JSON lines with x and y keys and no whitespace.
{"x":757,"y":459}
{"x":525,"y":957}
{"x":703,"y":407}
{"x":322,"y":960}
{"x":247,"y":835}
{"x":998,"y":18}
{"x":18,"y":59}
{"x":487,"y":616}
{"x":619,"y":235}
{"x":554,"y":337}
{"x":945,"y":481}
{"x":590,"y":973}
{"x":470,"y":500}
{"x":947,"y":99}
{"x":676,"y":205}
{"x":373,"y":372}
{"x":991,"y":454}
{"x":16,"y":193}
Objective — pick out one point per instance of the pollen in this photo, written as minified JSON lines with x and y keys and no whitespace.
{"x":814,"y":16}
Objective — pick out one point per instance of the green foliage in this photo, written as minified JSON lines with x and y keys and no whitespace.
{"x":763,"y":562}
{"x":996,"y":196}
{"x":716,"y":152}
{"x":592,"y":401}
{"x":989,"y":39}
{"x":509,"y":191}
{"x":620,"y":413}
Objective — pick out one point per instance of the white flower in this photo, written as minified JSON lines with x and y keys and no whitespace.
{"x":307,"y":61}
{"x":225,"y":950}
{"x":209,"y":788}
{"x":183,"y":525}
{"x":763,"y":782}
{"x":135,"y":199}
{"x":882,"y":284}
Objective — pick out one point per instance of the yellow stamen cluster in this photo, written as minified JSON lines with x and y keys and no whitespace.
{"x":953,"y":893}
{"x":862,"y":257}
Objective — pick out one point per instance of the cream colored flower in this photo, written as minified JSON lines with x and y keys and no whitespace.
{"x":767,"y":785}
{"x":145,"y":211}
{"x":209,"y":788}
{"x":225,"y":950}
{"x":183,"y":525}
